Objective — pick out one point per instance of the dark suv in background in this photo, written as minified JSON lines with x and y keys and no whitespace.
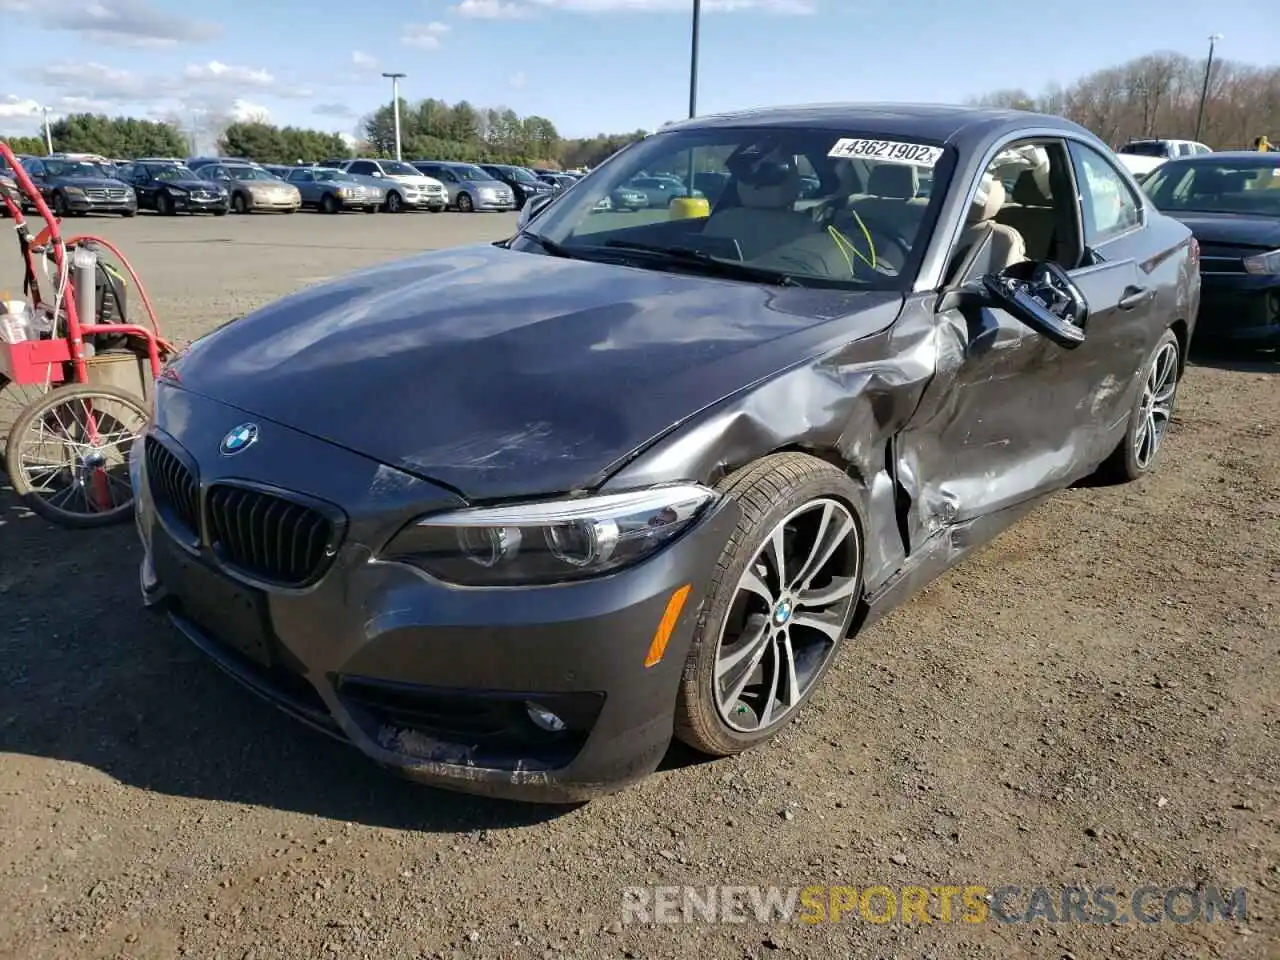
{"x":522,"y":182}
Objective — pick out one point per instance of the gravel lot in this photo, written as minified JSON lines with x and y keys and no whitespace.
{"x":1093,"y":699}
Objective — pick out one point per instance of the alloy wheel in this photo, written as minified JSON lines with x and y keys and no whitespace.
{"x":792,"y":606}
{"x":1156,"y":408}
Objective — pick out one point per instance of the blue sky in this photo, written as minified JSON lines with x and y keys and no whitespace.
{"x":588,"y":65}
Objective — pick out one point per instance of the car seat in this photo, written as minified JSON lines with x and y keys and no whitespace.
{"x":766,"y":218}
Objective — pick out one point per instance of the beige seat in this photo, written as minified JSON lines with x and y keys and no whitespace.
{"x":766,"y":219}
{"x":1005,"y":245}
{"x":891,"y":199}
{"x":1032,"y":215}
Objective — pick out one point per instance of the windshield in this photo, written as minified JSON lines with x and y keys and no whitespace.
{"x":250,"y":173}
{"x":521,"y":174}
{"x":468,"y":172}
{"x":394,"y":168}
{"x":862,"y":225}
{"x":171,"y":171}
{"x":74,"y":168}
{"x":1219,"y":186}
{"x":334,"y":176}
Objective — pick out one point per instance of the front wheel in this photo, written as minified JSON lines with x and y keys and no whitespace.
{"x":328,"y":203}
{"x":395,"y":202}
{"x":1151,"y":416}
{"x":782,"y":598}
{"x":68,"y":454}
{"x":464,"y":203}
{"x":239,"y":203}
{"x":59,"y":205}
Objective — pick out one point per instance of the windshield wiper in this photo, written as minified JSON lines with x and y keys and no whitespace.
{"x":715,"y":266}
{"x":550,"y":246}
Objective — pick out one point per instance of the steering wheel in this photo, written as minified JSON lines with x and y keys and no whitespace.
{"x":879,"y":230}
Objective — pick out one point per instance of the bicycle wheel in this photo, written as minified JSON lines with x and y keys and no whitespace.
{"x":68,"y":454}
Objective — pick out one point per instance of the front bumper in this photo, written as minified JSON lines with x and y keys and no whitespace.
{"x":1239,"y":310}
{"x":499,"y":205}
{"x":274,"y":203}
{"x":83,"y":204}
{"x":429,"y":680}
{"x":192,"y":204}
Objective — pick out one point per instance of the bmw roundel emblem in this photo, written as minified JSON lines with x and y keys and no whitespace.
{"x":239,"y":439}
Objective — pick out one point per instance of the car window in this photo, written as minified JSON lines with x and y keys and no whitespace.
{"x":33,"y":166}
{"x":302,"y":176}
{"x":364,"y":167}
{"x":1143,"y":148}
{"x":1108,"y":205}
{"x":129,"y":171}
{"x":1217,"y":186}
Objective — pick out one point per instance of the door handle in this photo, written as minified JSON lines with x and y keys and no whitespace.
{"x":1135,"y":297}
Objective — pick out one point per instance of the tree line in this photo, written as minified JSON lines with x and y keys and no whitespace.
{"x":1159,"y":96}
{"x":1153,"y":96}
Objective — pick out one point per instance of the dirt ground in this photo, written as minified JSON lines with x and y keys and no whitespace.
{"x":1091,"y":700}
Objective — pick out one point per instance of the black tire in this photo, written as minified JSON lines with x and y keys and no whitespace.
{"x":58,"y":204}
{"x":1127,"y":463}
{"x":164,"y":205}
{"x":767,"y":491}
{"x":38,"y":412}
{"x":329,"y":203}
{"x":372,"y":208}
{"x":127,"y":213}
{"x":464,"y":203}
{"x":220,"y":213}
{"x":239,"y":203}
{"x":395,"y":202}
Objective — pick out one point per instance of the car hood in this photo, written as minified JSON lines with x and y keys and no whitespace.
{"x":186,"y":184}
{"x":1235,"y":229}
{"x":418,"y":181}
{"x":87,"y":182}
{"x":503,"y":374}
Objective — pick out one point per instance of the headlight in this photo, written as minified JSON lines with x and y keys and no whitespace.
{"x":73,"y":191}
{"x":488,"y":193}
{"x":344,"y":192}
{"x":1263,"y":263}
{"x":549,"y":542}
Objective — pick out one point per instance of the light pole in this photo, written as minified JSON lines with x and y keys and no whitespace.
{"x":693,"y":83}
{"x":395,"y":79}
{"x":1204,"y":91}
{"x":693,"y":60}
{"x":48,"y":134}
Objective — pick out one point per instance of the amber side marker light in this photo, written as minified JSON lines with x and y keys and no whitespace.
{"x":662,"y":636}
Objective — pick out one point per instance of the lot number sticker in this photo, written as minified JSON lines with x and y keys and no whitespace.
{"x":887,"y":151}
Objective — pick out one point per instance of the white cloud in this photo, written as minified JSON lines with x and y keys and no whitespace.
{"x":242,"y":111}
{"x":224,"y":74}
{"x":518,"y":79}
{"x":516,"y":9}
{"x":12,"y":107}
{"x":132,"y":23}
{"x":424,"y":35}
{"x":363,"y":61}
{"x":349,"y":140}
{"x":492,"y":10}
{"x":89,"y":79}
{"x":334,"y":109}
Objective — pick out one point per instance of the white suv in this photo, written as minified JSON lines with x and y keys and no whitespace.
{"x":1143,"y":156}
{"x":406,"y":186}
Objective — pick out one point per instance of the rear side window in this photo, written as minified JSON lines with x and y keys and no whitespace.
{"x":1109,"y":207}
{"x":362,"y":167}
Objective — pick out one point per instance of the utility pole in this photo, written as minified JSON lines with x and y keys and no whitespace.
{"x":395,"y":79}
{"x":693,"y":60}
{"x":1204,"y":91}
{"x":48,"y":134}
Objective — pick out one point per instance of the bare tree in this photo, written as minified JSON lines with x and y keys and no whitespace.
{"x":1158,"y":95}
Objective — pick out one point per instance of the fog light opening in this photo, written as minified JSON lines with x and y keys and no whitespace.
{"x":543,"y":718}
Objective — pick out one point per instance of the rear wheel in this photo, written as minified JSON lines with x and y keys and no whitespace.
{"x":68,"y":455}
{"x":1151,"y":416}
{"x":464,"y":203}
{"x":782,"y":598}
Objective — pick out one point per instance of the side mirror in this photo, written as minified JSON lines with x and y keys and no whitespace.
{"x":376,"y":173}
{"x":1048,"y":301}
{"x":534,"y":206}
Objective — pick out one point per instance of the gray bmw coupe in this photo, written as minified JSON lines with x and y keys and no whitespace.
{"x":508,"y":517}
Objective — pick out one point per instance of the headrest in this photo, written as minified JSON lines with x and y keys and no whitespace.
{"x":1208,"y":183}
{"x":895,"y":181}
{"x":779,"y":196}
{"x":847,"y":178}
{"x":1027,"y":191}
{"x":987,"y":202}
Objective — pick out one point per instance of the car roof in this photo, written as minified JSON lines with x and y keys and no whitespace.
{"x":930,"y":121}
{"x":1218,"y":155}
